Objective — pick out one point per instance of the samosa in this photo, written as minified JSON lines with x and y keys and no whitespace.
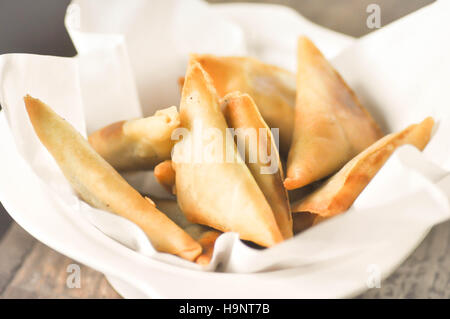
{"x":137,"y":144}
{"x":261,"y":154}
{"x":331,"y":126}
{"x":340,"y":191}
{"x":100,"y":185}
{"x":165,"y":175}
{"x":272,"y":88}
{"x":214,"y":186}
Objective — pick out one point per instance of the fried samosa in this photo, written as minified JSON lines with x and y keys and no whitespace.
{"x":214,"y":186}
{"x":207,"y":240}
{"x":205,"y":236}
{"x":272,"y":88}
{"x":101,"y":186}
{"x":331,"y":126}
{"x":137,"y":144}
{"x":165,"y":175}
{"x":340,"y":191}
{"x":261,"y":154}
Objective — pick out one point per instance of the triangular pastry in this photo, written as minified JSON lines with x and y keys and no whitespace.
{"x":339,"y":192}
{"x":214,"y":186}
{"x":331,"y":126}
{"x":100,"y":185}
{"x":137,"y":144}
{"x":261,"y":154}
{"x":272,"y":88}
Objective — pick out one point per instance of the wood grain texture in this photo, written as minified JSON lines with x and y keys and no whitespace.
{"x":14,"y":248}
{"x":29,"y":269}
{"x":425,"y":274}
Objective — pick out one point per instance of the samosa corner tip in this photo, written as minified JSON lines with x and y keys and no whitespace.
{"x":29,"y":101}
{"x":192,"y":253}
{"x":33,"y":106}
{"x":294,"y":182}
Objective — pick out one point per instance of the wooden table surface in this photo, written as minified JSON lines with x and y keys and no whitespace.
{"x":29,"y":269}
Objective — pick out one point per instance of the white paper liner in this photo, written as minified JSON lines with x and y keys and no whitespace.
{"x":130,"y":57}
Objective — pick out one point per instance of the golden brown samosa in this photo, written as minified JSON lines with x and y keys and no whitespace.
{"x":207,"y":241}
{"x":101,"y":186}
{"x":243,"y":116}
{"x":331,"y":126}
{"x":217,"y":188}
{"x":205,"y":236}
{"x":272,"y":88}
{"x":165,"y":175}
{"x":340,"y":191}
{"x":137,"y":144}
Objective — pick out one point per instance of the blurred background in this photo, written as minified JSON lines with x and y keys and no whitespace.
{"x":30,"y":26}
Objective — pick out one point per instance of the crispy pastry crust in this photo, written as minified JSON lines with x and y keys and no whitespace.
{"x":100,"y":185}
{"x":220,"y":194}
{"x":242,"y":113}
{"x":137,"y":144}
{"x":165,"y":175}
{"x":272,"y":89}
{"x":331,"y":126}
{"x":340,"y":191}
